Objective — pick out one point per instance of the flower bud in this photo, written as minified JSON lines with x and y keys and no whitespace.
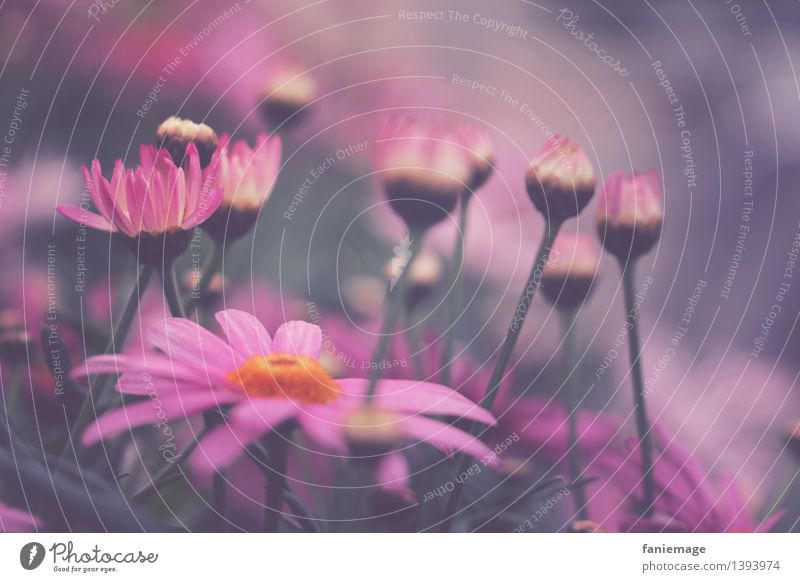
{"x":287,"y":97}
{"x":630,"y":214}
{"x":568,"y":277}
{"x":793,"y":436}
{"x":175,"y":134}
{"x":423,"y":278}
{"x":479,"y":147}
{"x":370,"y":431}
{"x":424,"y":171}
{"x":560,"y":180}
{"x":247,"y":177}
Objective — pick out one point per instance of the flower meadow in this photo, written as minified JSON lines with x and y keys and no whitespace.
{"x":271,"y":267}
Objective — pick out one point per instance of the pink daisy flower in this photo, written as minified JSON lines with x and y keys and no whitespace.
{"x":154,"y":200}
{"x":266,"y":382}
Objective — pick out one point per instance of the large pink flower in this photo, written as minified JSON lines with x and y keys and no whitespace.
{"x":266,"y":382}
{"x":156,"y":198}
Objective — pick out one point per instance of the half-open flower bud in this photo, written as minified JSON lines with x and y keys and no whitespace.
{"x":570,"y":273}
{"x":175,"y":134}
{"x":481,"y":152}
{"x":247,"y":177}
{"x":371,"y":431}
{"x":561,"y":179}
{"x":630,"y":214}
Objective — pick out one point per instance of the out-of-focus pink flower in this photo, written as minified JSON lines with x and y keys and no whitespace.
{"x":246,"y":177}
{"x":688,"y":498}
{"x":571,"y":271}
{"x":269,"y":381}
{"x":424,"y":170}
{"x":155,"y":198}
{"x":561,"y":179}
{"x":13,"y":520}
{"x":630,"y":213}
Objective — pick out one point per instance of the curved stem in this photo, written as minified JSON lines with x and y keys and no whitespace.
{"x":454,"y":304}
{"x":573,"y":400}
{"x":102,"y":383}
{"x":642,"y":424}
{"x":498,"y":374}
{"x":395,"y":302}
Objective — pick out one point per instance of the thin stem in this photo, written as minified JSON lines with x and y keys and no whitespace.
{"x":262,"y":460}
{"x":396,"y":297}
{"x":210,"y":269}
{"x":102,"y":383}
{"x":454,"y":304}
{"x":219,"y":499}
{"x":498,"y":374}
{"x":642,"y":424}
{"x":414,"y":345}
{"x":172,"y":291}
{"x":573,"y":399}
{"x":278,"y":448}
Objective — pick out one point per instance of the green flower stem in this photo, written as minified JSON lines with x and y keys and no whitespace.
{"x":454,"y":304}
{"x":277,"y":446}
{"x":642,"y":424}
{"x":103,"y":383}
{"x":210,"y":269}
{"x":172,"y":291}
{"x":573,"y":400}
{"x":414,"y":345}
{"x":395,"y":302}
{"x":498,"y":374}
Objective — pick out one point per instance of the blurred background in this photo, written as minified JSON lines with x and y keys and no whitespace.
{"x":707,"y":93}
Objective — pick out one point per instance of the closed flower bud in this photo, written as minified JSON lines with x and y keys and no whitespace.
{"x":175,"y":134}
{"x":287,"y":97}
{"x":481,"y":152}
{"x":585,"y":526}
{"x":424,"y":171}
{"x":560,"y":180}
{"x":423,"y":278}
{"x":630,"y":214}
{"x":370,"y":431}
{"x":568,"y":277}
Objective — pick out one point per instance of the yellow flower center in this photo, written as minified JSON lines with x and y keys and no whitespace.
{"x":286,"y":376}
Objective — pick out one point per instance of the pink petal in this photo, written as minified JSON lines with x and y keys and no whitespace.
{"x":444,"y":437}
{"x":393,"y":473}
{"x":90,"y":219}
{"x":248,"y":421}
{"x":244,"y":332}
{"x":188,"y":343}
{"x":298,"y":338}
{"x":420,"y":397}
{"x":153,"y":364}
{"x":208,"y":205}
{"x":153,"y":411}
{"x":323,"y":424}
